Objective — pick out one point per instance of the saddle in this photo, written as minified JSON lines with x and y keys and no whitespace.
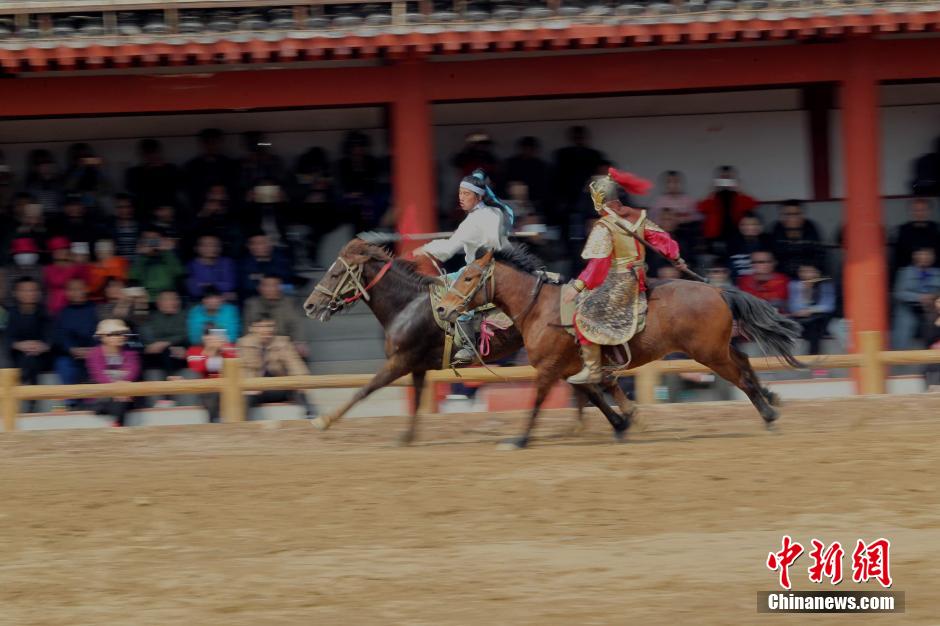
{"x":488,"y":315}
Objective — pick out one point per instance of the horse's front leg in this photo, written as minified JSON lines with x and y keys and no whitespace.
{"x":390,"y":372}
{"x":407,"y":437}
{"x":543,"y":384}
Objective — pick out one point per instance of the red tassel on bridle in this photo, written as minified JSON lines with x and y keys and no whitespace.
{"x":633,"y":184}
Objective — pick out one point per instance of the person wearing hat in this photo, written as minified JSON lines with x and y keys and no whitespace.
{"x":58,"y":274}
{"x":111,"y":361}
{"x":611,"y":306}
{"x":487,"y":225}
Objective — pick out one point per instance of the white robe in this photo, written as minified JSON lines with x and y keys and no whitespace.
{"x":482,"y":228}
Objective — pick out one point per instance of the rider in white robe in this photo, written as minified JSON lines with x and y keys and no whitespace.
{"x":486,"y":226}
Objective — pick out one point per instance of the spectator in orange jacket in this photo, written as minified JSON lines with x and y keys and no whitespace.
{"x":766,"y":283}
{"x":723,"y":209}
{"x":106,"y":266}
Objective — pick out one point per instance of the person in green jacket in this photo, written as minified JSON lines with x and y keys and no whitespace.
{"x":156,"y":268}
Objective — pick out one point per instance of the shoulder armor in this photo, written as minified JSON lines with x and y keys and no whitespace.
{"x":600,"y":243}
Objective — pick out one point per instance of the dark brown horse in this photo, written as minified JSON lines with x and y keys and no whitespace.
{"x":683,"y":316}
{"x":400,"y":299}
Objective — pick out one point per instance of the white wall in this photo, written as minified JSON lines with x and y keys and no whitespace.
{"x":762,"y":133}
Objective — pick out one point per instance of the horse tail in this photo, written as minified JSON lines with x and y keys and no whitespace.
{"x":760,"y":321}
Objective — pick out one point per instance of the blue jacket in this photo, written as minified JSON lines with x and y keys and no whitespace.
{"x":825,"y":296}
{"x":252,"y":271}
{"x":75,"y":327}
{"x":226,"y":317}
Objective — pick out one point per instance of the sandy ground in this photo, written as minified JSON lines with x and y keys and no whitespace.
{"x":253,"y":525}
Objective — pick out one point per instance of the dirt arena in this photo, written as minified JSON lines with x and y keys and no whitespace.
{"x":251,"y":524}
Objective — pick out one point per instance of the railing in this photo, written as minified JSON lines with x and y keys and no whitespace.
{"x":231,"y":386}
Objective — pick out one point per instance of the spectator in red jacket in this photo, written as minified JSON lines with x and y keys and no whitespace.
{"x":724,"y":208}
{"x":206,"y":362}
{"x":766,"y":283}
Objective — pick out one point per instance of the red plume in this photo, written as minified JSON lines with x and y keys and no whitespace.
{"x":633,"y":184}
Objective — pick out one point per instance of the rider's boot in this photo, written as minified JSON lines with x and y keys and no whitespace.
{"x":468,"y":336}
{"x":591,"y":372}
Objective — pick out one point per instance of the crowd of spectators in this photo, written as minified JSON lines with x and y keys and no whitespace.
{"x":174,"y":267}
{"x":787,"y":262}
{"x":180,"y":266}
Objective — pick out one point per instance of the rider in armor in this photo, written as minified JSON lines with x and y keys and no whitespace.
{"x":611,"y":305}
{"x":487,"y":225}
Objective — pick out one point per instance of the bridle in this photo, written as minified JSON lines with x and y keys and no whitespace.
{"x":350,"y":283}
{"x":486,"y":282}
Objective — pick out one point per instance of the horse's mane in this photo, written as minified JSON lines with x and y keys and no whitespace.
{"x":519,"y":257}
{"x":403,"y":269}
{"x":408,"y":271}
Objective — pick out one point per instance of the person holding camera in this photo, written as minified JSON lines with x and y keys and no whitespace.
{"x":213,"y":312}
{"x":156,"y":268}
{"x":205,"y":360}
{"x":128,"y":303}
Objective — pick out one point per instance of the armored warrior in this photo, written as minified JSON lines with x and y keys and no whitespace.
{"x":611,"y":305}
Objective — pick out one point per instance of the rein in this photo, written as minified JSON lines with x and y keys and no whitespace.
{"x":540,"y":280}
{"x":352,"y":282}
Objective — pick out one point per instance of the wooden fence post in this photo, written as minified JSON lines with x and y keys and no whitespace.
{"x":645,"y":381}
{"x":873,"y":376}
{"x":232,"y":398}
{"x":9,"y":404}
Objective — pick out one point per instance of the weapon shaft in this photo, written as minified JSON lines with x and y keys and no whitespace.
{"x":390,"y":237}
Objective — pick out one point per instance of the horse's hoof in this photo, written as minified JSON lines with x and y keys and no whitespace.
{"x":620,"y":435}
{"x":517,"y":443}
{"x":319,"y":423}
{"x":770,"y":415}
{"x":773,"y":397}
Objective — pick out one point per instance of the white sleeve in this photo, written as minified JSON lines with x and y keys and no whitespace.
{"x":467,"y":232}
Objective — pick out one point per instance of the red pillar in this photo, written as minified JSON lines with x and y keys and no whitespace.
{"x":865,"y":260}
{"x":412,"y":154}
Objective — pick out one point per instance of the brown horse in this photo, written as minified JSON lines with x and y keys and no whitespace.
{"x":683,"y":316}
{"x":399,"y":297}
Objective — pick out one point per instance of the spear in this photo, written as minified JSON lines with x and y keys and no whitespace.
{"x":380,"y":238}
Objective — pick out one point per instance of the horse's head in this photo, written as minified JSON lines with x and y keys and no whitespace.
{"x":472,"y":289}
{"x":343,"y":282}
